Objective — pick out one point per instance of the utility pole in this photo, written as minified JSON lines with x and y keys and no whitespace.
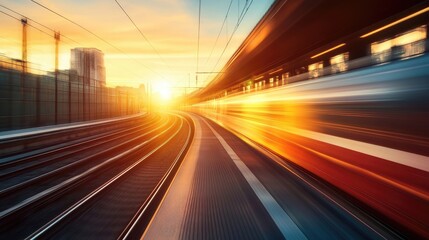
{"x":24,"y":66}
{"x":24,"y":45}
{"x":86,"y":82}
{"x":57,"y":40}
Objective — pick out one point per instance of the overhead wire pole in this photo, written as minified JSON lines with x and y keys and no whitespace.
{"x":57,"y":40}
{"x":198,"y":44}
{"x":95,"y":35}
{"x":52,"y":30}
{"x":217,"y":38}
{"x":24,"y":21}
{"x":50,"y":35}
{"x":24,"y":63}
{"x":24,"y":45}
{"x":29,"y":24}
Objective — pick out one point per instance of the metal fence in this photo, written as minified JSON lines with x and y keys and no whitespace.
{"x":29,"y":99}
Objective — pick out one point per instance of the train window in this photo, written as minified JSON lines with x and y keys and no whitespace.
{"x":261,"y":84}
{"x":410,"y":43}
{"x":339,"y":62}
{"x":271,"y":82}
{"x":277,"y":81}
{"x":285,"y":76}
{"x":244,"y":86}
{"x":403,"y":45}
{"x":381,"y":51}
{"x":316,"y":69}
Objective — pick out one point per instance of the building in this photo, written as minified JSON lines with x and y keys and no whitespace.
{"x":89,"y":64}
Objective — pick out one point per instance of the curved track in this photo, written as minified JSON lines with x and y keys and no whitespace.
{"x":101,"y":187}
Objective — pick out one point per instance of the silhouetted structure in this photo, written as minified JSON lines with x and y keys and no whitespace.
{"x":32,"y":102}
{"x":89,"y":63}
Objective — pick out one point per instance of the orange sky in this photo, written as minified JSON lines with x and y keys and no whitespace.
{"x":170,"y":25}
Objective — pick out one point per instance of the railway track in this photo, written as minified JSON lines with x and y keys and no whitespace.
{"x":45,"y":161}
{"x":18,"y":144}
{"x":68,"y":191}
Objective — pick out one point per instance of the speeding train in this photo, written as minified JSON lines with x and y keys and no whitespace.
{"x":354,"y":112}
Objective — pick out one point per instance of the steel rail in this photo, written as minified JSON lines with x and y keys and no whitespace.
{"x":64,"y":185}
{"x":127,"y":232}
{"x":66,"y":151}
{"x":29,"y":182}
{"x":71,"y":210}
{"x":43,"y":152}
{"x":27,"y":140}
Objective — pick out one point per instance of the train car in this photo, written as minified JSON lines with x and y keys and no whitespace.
{"x":354,"y":112}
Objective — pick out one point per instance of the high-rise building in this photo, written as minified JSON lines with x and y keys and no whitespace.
{"x":89,"y":64}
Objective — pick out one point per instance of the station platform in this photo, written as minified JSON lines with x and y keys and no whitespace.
{"x":226,"y":189}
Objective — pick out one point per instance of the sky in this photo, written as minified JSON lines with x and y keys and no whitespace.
{"x":165,"y":56}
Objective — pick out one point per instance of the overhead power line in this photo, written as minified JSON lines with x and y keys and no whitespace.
{"x":40,"y":24}
{"x":7,"y":14}
{"x":42,"y":31}
{"x":95,"y":35}
{"x":141,"y":33}
{"x":244,"y":12}
{"x":77,"y":24}
{"x":240,"y":19}
{"x":220,"y":31}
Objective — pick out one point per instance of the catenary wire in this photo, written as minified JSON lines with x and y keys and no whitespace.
{"x":220,"y":31}
{"x":95,"y":35}
{"x":141,"y":33}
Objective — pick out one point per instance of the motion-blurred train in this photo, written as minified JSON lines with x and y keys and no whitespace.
{"x":354,"y":112}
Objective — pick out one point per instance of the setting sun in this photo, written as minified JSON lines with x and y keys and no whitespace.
{"x":165,"y":93}
{"x":162,"y":90}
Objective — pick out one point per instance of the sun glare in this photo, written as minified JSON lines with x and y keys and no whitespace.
{"x":163,"y":91}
